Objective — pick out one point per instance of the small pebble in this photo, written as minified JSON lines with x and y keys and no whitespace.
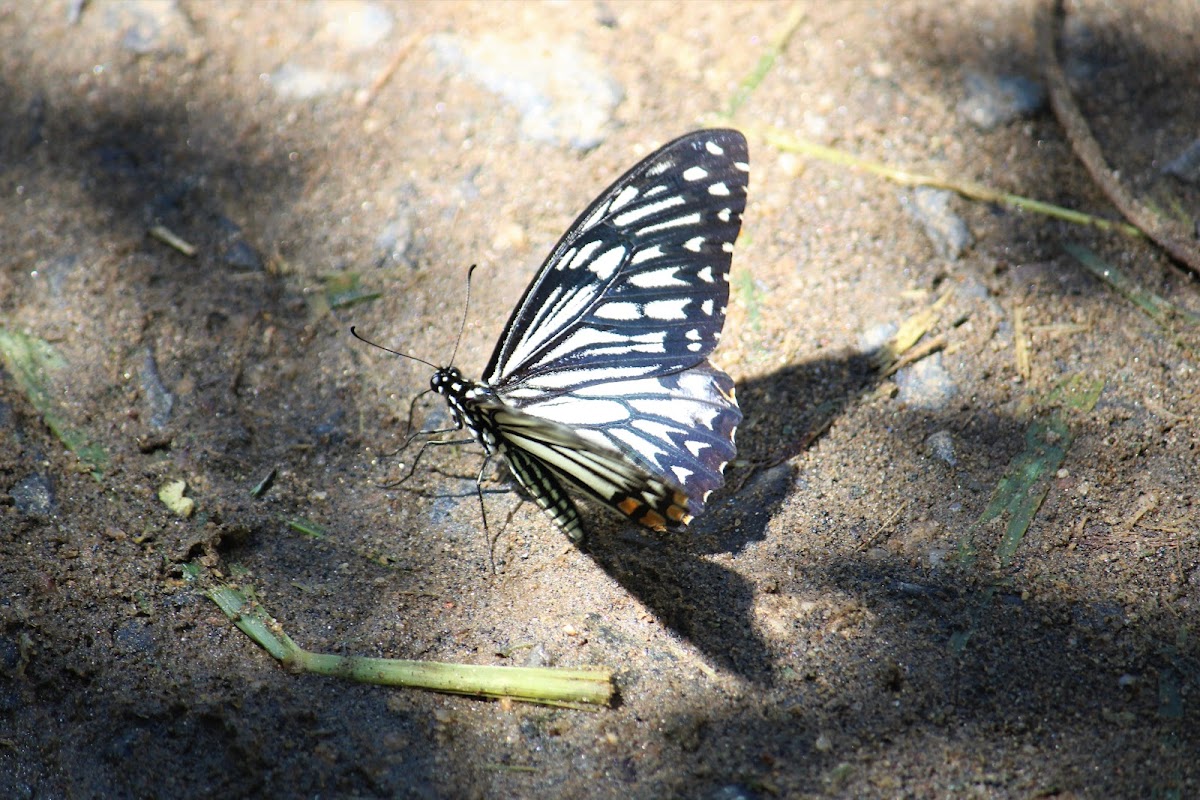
{"x":147,"y":26}
{"x":359,"y":26}
{"x":158,"y":397}
{"x":565,"y":96}
{"x":790,"y":165}
{"x":994,"y":100}
{"x":876,"y":336}
{"x":235,"y":251}
{"x":926,"y":384}
{"x":931,"y":208}
{"x":396,"y":239}
{"x":33,"y":496}
{"x":941,"y":446}
{"x":296,"y":82}
{"x":509,"y":236}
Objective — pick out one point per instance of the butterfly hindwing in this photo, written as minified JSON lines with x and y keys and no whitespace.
{"x":544,"y":454}
{"x":679,"y":426}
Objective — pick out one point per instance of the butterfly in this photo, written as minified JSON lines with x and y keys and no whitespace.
{"x":600,"y":382}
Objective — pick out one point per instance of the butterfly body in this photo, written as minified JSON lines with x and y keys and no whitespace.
{"x":601,"y":380}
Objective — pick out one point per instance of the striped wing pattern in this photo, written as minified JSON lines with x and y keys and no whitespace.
{"x":639,"y":283}
{"x":678,"y":426}
{"x":601,"y":379}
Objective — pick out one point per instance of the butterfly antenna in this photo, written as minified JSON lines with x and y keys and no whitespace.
{"x":462,"y":326}
{"x":354,"y":333}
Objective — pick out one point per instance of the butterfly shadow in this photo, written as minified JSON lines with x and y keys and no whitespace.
{"x":706,"y":601}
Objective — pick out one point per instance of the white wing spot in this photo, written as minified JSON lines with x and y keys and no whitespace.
{"x":659,"y":168}
{"x":580,"y":257}
{"x":658,"y":278}
{"x":694,"y":244}
{"x":625,"y":195}
{"x":707,"y":307}
{"x":695,"y":174}
{"x":619,"y":311}
{"x":646,"y":253}
{"x":606,"y":264}
{"x":677,"y":222}
{"x":693,"y":334}
{"x":724,"y":214}
{"x":594,"y":217}
{"x":668,"y":309}
{"x":719,"y":189}
{"x":726,"y":247}
{"x":566,"y":259}
{"x":682,"y":473}
{"x":634,"y":214}
{"x":714,"y":148}
{"x":695,"y":448}
{"x":679,"y":410}
{"x":630,"y":388}
{"x":741,"y":166}
{"x":705,"y":275}
{"x":694,"y":347}
{"x":649,"y":343}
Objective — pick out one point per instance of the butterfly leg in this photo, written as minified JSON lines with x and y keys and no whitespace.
{"x":409,"y":434}
{"x":420,"y":453}
{"x":487,"y":536}
{"x":483,"y":514}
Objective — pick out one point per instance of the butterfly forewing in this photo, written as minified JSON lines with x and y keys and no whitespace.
{"x":638,"y":285}
{"x":601,"y":379}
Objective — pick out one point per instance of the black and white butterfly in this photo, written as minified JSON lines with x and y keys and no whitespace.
{"x":601,"y":380}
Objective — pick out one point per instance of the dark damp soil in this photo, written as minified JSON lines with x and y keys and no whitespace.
{"x":845,"y":620}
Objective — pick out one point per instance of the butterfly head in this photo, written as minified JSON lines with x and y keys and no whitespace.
{"x":464,"y":398}
{"x":450,"y":383}
{"x":447,"y":381}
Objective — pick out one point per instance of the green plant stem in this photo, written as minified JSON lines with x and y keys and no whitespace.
{"x":572,"y":688}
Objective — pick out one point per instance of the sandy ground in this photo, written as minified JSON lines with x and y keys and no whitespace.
{"x":847,"y":619}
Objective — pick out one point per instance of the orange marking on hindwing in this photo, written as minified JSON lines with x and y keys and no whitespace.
{"x":629,"y":506}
